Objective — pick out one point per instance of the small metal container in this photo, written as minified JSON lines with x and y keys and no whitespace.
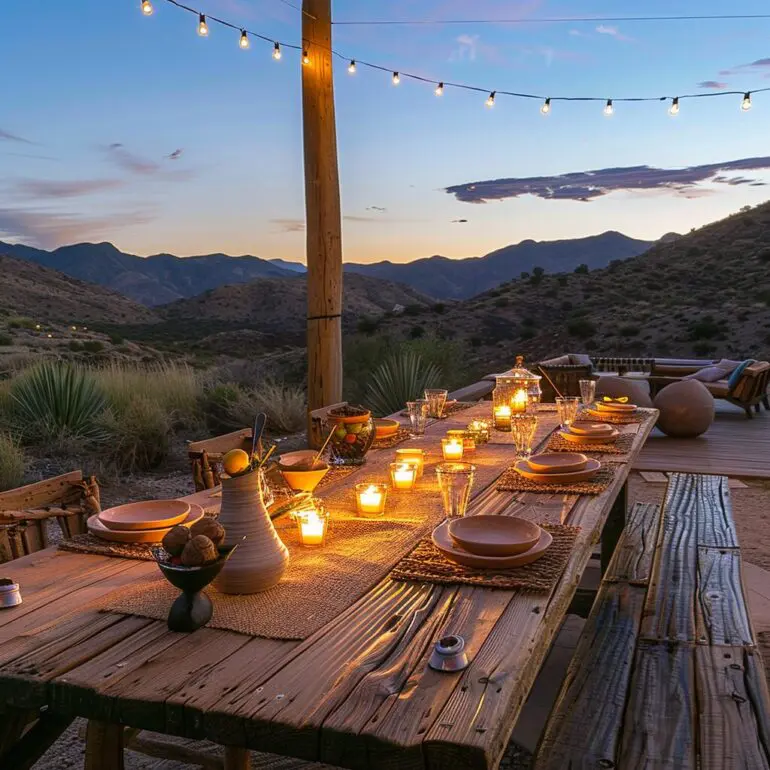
{"x":449,"y":654}
{"x":9,"y":593}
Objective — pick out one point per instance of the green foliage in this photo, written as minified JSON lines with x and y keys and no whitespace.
{"x":416,"y":331}
{"x":582,"y":269}
{"x":367,"y":324}
{"x":116,"y":339}
{"x":398,"y":379}
{"x":75,"y":346}
{"x":285,"y":405}
{"x":413,"y":310}
{"x":582,"y":328}
{"x":705,"y":329}
{"x":54,"y":402}
{"x":6,"y":340}
{"x":562,"y":280}
{"x":501,"y":302}
{"x":93,"y":346}
{"x":439,"y":307}
{"x":20,"y":322}
{"x":11,"y":463}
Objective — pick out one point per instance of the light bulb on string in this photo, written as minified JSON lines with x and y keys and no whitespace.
{"x":490,"y":102}
{"x":546,"y":108}
{"x":439,"y":89}
{"x":608,"y":108}
{"x":147,"y":8}
{"x":203,"y":28}
{"x":305,"y":56}
{"x":674,"y":108}
{"x":352,"y":67}
{"x":277,"y":51}
{"x":396,"y":78}
{"x":244,"y":41}
{"x":746,"y":103}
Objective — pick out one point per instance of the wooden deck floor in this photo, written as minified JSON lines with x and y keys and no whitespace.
{"x":733,"y":446}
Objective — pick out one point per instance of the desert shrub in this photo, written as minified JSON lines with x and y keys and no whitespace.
{"x":526,"y":333}
{"x":694,"y":251}
{"x":398,"y":379}
{"x":5,"y":340}
{"x":53,"y":402}
{"x":138,"y":434}
{"x":566,"y":306}
{"x":20,"y":322}
{"x":629,"y":331}
{"x":764,"y":255}
{"x":75,"y":346}
{"x":11,"y":463}
{"x":367,"y":324}
{"x":705,"y":329}
{"x":582,"y":328}
{"x":439,"y":307}
{"x":413,"y":309}
{"x":501,"y":302}
{"x":551,"y":293}
{"x":221,"y":408}
{"x":285,"y":405}
{"x":562,"y":280}
{"x":93,"y":346}
{"x":582,"y":269}
{"x":116,"y":339}
{"x":416,"y":332}
{"x":703,"y":348}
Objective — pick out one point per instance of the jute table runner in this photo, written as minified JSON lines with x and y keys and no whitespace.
{"x":621,"y":446}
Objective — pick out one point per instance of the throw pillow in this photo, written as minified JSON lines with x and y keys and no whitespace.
{"x":707,"y":374}
{"x":727,"y":366}
{"x":733,"y":379}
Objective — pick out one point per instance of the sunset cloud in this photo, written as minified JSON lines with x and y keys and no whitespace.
{"x":50,"y":188}
{"x":9,"y":137}
{"x":588,"y":185}
{"x":289,"y":225}
{"x":716,"y":85}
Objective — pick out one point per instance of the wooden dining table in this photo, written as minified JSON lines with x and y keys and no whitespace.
{"x":356,"y":694}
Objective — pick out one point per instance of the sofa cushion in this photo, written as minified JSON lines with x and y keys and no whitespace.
{"x":691,"y":362}
{"x":558,"y":361}
{"x":580,"y":359}
{"x":676,"y":370}
{"x":638,"y":391}
{"x":735,"y":377}
{"x":718,"y":389}
{"x":707,"y":374}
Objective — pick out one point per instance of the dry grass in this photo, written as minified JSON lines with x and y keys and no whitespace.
{"x":284,"y":405}
{"x":11,"y":463}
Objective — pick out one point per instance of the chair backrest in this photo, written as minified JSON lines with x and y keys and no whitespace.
{"x":752,"y":386}
{"x":61,"y":489}
{"x":206,"y":455}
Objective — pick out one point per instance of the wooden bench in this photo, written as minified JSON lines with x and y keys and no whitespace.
{"x":206,"y":456}
{"x":667,"y":673}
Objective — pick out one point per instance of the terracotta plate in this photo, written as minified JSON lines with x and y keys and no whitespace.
{"x":557,"y":462}
{"x":384,"y":428}
{"x":443,"y":541}
{"x":95,"y":527}
{"x":590,"y":428}
{"x":594,"y":438}
{"x":150,"y":514}
{"x":611,"y":406}
{"x":494,"y":535}
{"x":591,"y":469}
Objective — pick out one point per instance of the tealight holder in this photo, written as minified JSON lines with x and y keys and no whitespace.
{"x":403,"y":475}
{"x":469,"y":444}
{"x":370,"y":499}
{"x":479,"y":429}
{"x":452,"y":448}
{"x":412,"y":456}
{"x":502,"y":417}
{"x":312,"y":524}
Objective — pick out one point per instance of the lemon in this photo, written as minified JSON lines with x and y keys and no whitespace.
{"x":235,"y":461}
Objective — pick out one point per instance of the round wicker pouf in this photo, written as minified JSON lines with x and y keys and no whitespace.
{"x":638,"y":392}
{"x":686,"y":409}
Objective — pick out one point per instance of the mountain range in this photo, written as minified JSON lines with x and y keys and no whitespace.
{"x":164,"y":278}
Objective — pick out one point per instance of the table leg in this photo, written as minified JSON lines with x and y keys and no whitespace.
{"x":237,"y":759}
{"x":104,"y":746}
{"x":613,"y":527}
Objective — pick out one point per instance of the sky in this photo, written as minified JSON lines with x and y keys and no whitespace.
{"x":133,"y":129}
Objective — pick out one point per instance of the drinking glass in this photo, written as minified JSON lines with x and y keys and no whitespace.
{"x":418,"y":415}
{"x":588,"y":391}
{"x":523,"y":429}
{"x":567,"y":408}
{"x":436,"y":399}
{"x":455,"y":480}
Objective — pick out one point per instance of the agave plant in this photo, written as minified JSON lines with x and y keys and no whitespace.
{"x":54,"y":402}
{"x":398,"y":379}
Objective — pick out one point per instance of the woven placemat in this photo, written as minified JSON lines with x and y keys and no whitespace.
{"x":621,"y":446}
{"x":88,"y":543}
{"x":512,"y":481}
{"x":618,"y":419}
{"x":401,"y":435}
{"x":426,"y":564}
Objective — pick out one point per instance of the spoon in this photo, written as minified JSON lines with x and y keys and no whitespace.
{"x":321,"y":450}
{"x":259,"y":427}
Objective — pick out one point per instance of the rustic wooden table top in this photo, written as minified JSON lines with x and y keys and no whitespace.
{"x":356,"y":694}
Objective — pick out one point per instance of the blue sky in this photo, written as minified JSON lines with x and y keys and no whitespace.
{"x":135,"y":130}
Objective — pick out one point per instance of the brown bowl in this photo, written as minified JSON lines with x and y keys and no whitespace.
{"x":384,"y":428}
{"x":494,"y":535}
{"x":304,"y":481}
{"x":557,"y":462}
{"x":150,"y":514}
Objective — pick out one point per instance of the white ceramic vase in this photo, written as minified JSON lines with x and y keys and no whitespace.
{"x":260,"y":560}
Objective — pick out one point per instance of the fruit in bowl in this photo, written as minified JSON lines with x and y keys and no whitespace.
{"x":352,"y":433}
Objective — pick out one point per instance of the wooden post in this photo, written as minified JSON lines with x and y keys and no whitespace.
{"x":322,"y":207}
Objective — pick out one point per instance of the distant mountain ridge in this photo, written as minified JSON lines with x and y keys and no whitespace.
{"x":164,"y":278}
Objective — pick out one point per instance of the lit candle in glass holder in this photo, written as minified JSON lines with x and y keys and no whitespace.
{"x":479,"y":429}
{"x":312,"y":524}
{"x":403,"y":475}
{"x":463,"y":435}
{"x":452,"y":448}
{"x":370,"y":499}
{"x":413,"y":457}
{"x":519,"y":402}
{"x":503,"y":417}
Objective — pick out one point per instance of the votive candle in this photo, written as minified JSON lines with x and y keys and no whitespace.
{"x":312,"y":525}
{"x":370,"y":499}
{"x":413,"y":457}
{"x":403,"y":475}
{"x":469,"y":444}
{"x":452,"y":448}
{"x":503,"y":417}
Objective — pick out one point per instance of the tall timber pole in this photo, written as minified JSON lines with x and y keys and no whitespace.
{"x":322,"y":209}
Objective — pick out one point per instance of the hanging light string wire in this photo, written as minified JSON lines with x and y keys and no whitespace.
{"x":401,"y":74}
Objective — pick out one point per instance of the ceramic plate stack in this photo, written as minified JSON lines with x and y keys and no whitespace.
{"x":615,"y":407}
{"x":558,"y":468}
{"x":145,"y":522}
{"x":491,"y":542}
{"x":590,"y":433}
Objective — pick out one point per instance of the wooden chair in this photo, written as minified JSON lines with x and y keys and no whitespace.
{"x":751,"y":389}
{"x":206,"y":456}
{"x":24,"y":512}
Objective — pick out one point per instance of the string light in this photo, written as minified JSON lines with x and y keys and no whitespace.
{"x":147,"y":8}
{"x":305,"y":57}
{"x":546,"y":108}
{"x":608,"y":108}
{"x":440,"y":89}
{"x":277,"y":51}
{"x":244,"y":42}
{"x":352,"y":67}
{"x":490,"y":102}
{"x":203,"y":28}
{"x":396,"y":78}
{"x":674,"y":108}
{"x":746,"y":103}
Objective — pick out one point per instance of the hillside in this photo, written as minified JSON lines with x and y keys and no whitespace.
{"x":462,"y":278}
{"x":48,"y":296}
{"x":154,"y":280}
{"x":705,"y":294}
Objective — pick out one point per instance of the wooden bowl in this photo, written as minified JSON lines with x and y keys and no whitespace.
{"x":384,"y":428}
{"x":97,"y":528}
{"x":150,"y":514}
{"x":494,"y":535}
{"x":557,"y":462}
{"x":304,"y":481}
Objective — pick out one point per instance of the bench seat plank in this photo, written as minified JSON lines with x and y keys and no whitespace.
{"x":632,"y":560}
